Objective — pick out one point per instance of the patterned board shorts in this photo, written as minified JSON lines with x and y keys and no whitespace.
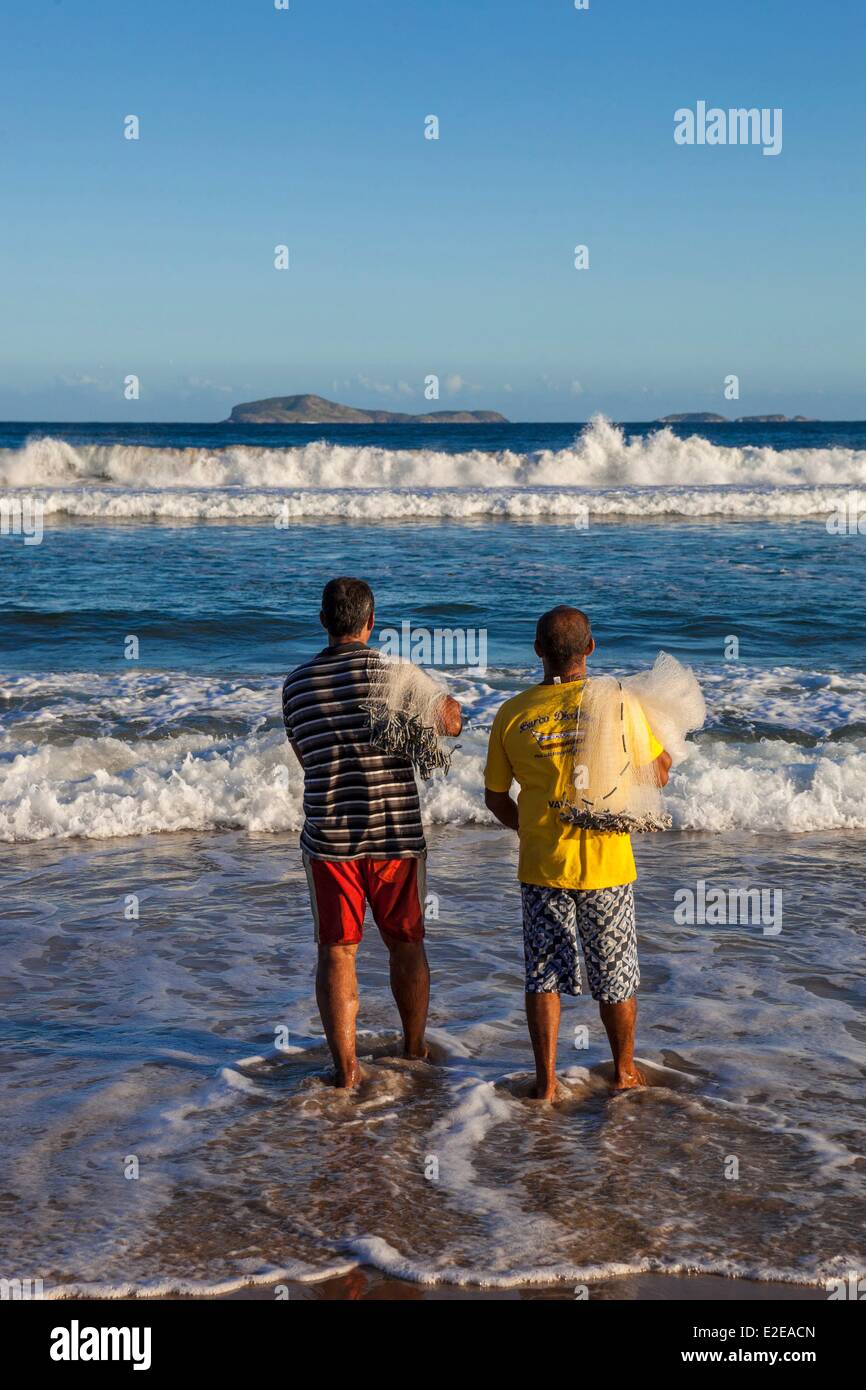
{"x":604,"y":918}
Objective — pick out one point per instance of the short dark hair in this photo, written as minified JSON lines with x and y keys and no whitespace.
{"x":564,"y":635}
{"x":347,"y":606}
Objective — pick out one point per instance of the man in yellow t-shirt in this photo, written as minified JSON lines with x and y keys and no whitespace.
{"x":573,"y":882}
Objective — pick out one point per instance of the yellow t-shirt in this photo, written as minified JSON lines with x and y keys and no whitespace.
{"x":532,"y":743}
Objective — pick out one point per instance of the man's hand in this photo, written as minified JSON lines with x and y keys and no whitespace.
{"x":449,"y":719}
{"x":503,"y":808}
{"x":662,"y":766}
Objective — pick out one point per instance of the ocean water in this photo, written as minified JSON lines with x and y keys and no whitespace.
{"x":167,"y":777}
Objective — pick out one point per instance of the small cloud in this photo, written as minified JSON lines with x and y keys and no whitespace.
{"x":576,"y":388}
{"x":405,"y":389}
{"x":508,"y":387}
{"x":454,"y":383}
{"x":381,"y":388}
{"x":550,"y":383}
{"x":85,"y":381}
{"x":203,"y":383}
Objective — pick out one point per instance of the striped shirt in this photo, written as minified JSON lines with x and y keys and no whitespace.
{"x":358,"y":802}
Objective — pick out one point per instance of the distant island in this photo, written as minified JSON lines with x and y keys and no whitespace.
{"x":315,"y":410}
{"x":704,"y":417}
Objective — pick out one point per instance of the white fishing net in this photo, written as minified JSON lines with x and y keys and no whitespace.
{"x":672,"y":701}
{"x":615,"y":783}
{"x":403,"y":705}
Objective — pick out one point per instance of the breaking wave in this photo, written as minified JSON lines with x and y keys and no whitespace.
{"x":601,"y":456}
{"x":98,"y":757}
{"x":441,"y":504}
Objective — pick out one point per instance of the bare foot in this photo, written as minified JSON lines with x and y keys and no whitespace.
{"x":423,"y":1055}
{"x":627,"y":1079}
{"x":350,"y":1078}
{"x":548,"y":1093}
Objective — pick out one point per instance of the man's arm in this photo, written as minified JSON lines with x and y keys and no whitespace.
{"x":503,"y":807}
{"x":449,"y":719}
{"x":661,"y":763}
{"x":297,"y":752}
{"x":287,"y":719}
{"x":500,"y":772}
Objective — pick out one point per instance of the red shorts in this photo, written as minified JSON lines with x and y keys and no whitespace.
{"x":341,"y":888}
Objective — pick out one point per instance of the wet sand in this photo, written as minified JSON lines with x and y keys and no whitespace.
{"x":367,"y":1283}
{"x":161,"y":1047}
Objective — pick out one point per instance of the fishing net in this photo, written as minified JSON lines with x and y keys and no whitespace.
{"x":402,"y":705}
{"x":672,"y":701}
{"x":615,"y":784}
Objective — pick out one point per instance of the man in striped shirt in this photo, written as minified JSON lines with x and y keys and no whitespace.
{"x":362,"y":840}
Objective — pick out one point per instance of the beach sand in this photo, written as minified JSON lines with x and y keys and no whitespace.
{"x":160,"y":1045}
{"x":366,"y":1283}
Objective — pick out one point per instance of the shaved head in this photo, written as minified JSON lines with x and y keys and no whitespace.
{"x":563,"y":637}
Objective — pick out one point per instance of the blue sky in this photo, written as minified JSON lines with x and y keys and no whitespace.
{"x":410,"y":256}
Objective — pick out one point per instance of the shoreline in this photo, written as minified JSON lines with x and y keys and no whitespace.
{"x":236,"y":1199}
{"x":366,"y":1283}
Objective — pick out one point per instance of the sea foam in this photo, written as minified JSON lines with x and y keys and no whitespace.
{"x":572,"y":505}
{"x":601,"y":456}
{"x":102,"y":787}
{"x":98,"y":756}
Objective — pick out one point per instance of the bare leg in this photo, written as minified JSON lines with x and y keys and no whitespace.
{"x":410,"y":986}
{"x":542,"y":1015}
{"x":337,"y":998}
{"x":619,"y":1022}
